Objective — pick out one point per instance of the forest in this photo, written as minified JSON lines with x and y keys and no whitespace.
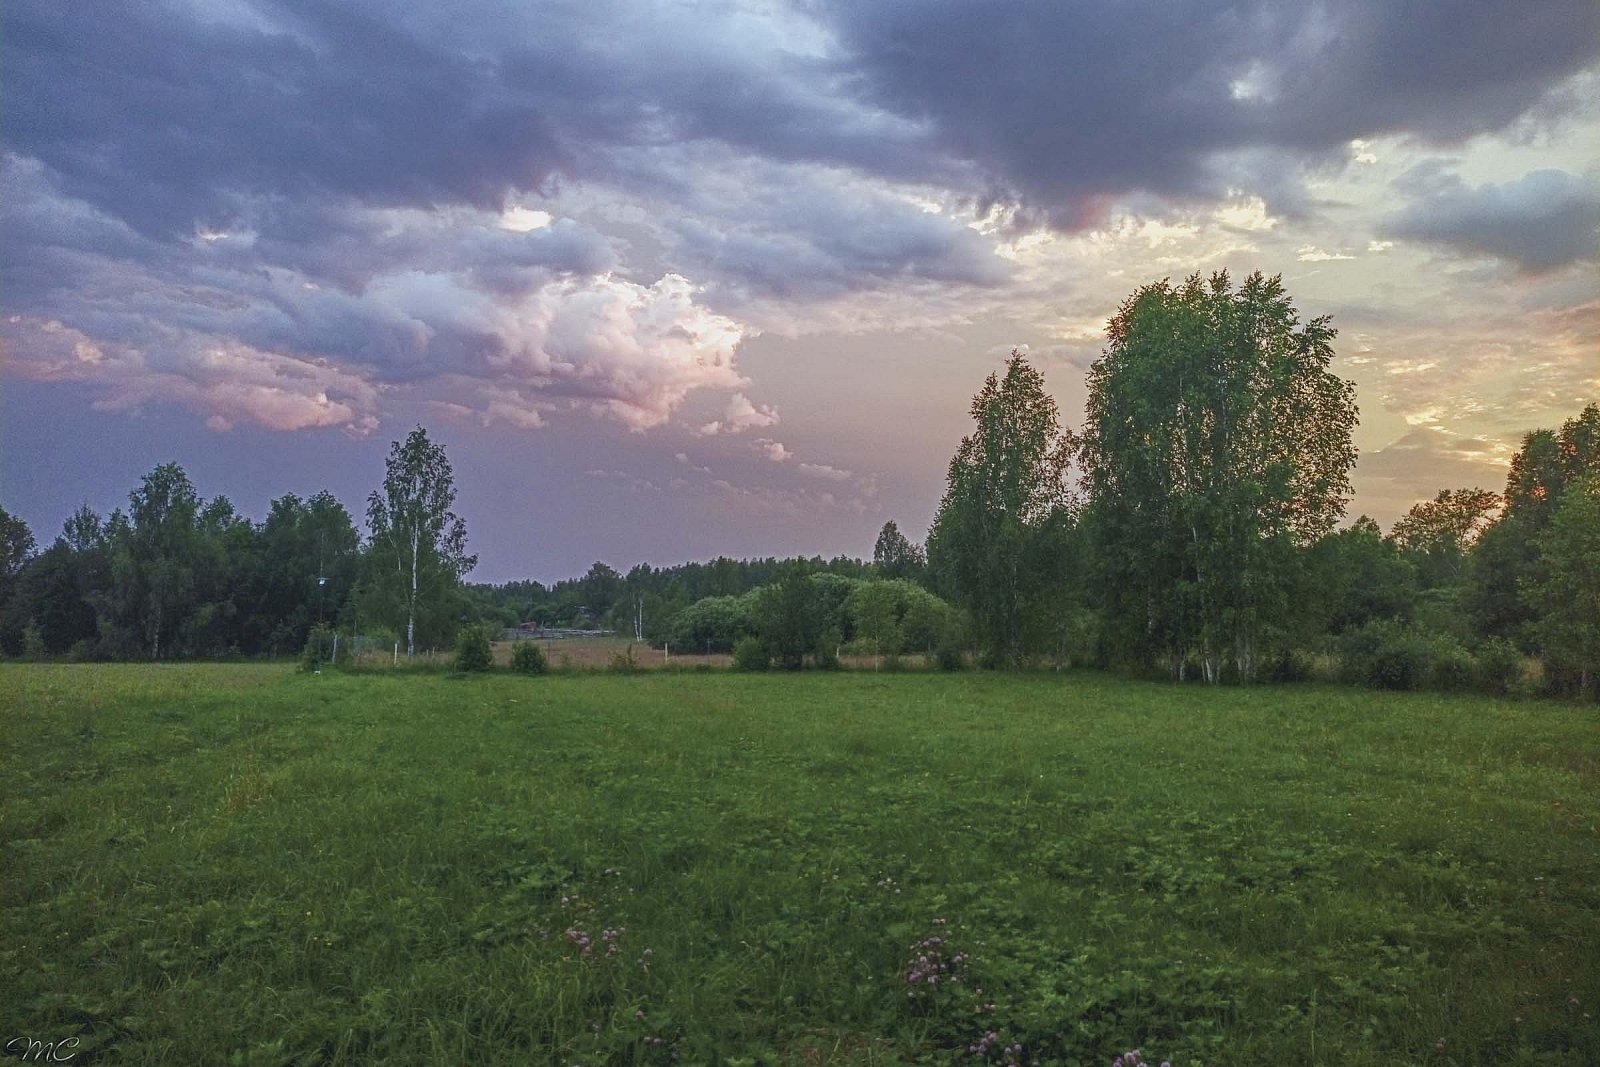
{"x":1194,"y":527}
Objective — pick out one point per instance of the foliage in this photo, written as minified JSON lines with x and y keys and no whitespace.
{"x":622,"y":661}
{"x":1006,"y":484}
{"x":749,"y":654}
{"x":948,"y":655}
{"x":1216,"y":442}
{"x":788,"y":615}
{"x":1451,"y":668}
{"x":825,"y":654}
{"x":418,"y":543}
{"x":1385,"y":655}
{"x":1567,"y":592}
{"x":318,"y":648}
{"x":1507,"y":564}
{"x":528,"y":658}
{"x":1442,"y":530}
{"x":713,"y":624}
{"x":1500,"y":667}
{"x":1355,"y":576}
{"x":894,"y":556}
{"x":1390,"y":655}
{"x":473,"y":652}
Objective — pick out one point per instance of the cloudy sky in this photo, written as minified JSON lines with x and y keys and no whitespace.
{"x":671,"y":280}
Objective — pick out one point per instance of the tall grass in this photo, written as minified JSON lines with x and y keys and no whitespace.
{"x":242,"y":864}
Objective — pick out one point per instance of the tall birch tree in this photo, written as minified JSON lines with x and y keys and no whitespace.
{"x":420,"y":543}
{"x":1007,"y":481}
{"x":1216,"y":442}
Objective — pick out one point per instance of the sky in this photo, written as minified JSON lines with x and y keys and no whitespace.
{"x":676,"y":280}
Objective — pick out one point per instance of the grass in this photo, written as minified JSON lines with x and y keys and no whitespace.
{"x":209,"y":864}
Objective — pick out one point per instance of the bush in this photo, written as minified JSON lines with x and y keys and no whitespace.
{"x":1451,"y":667}
{"x":623,"y":662}
{"x":529,"y":658}
{"x":1389,"y":655}
{"x":1500,"y":667}
{"x":949,"y":657}
{"x":318,"y":647}
{"x":1399,"y":663}
{"x":1289,"y":665}
{"x":472,"y":650}
{"x":825,"y":656}
{"x":749,"y":654}
{"x":1384,"y":654}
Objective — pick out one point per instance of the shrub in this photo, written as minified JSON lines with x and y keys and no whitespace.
{"x":319,"y":644}
{"x":623,"y":662}
{"x":472,"y":650}
{"x":825,"y":655}
{"x":1400,"y":663}
{"x":1289,"y":665}
{"x":1451,"y":667}
{"x":529,"y":658}
{"x":1500,"y":666}
{"x":949,"y":657}
{"x":749,"y":654}
{"x":1384,"y":654}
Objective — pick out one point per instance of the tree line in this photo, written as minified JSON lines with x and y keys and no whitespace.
{"x":1199,"y":536}
{"x":175,"y":576}
{"x":1190,"y":527}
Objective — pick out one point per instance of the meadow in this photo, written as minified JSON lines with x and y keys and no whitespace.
{"x":213,"y":864}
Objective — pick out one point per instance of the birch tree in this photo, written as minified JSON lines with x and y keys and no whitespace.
{"x":1216,"y":443}
{"x":421,"y":543}
{"x":1006,"y":482}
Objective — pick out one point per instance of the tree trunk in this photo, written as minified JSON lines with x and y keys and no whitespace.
{"x":411,"y":606}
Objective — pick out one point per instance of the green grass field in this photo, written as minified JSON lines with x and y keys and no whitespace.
{"x":211,"y":865}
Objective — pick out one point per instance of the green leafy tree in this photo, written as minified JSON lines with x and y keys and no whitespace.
{"x":1568,"y":592}
{"x":419,"y":543}
{"x":1216,"y":443}
{"x":1005,"y":482}
{"x":473,"y":652}
{"x":310,"y":556}
{"x":894,"y":555}
{"x":1355,"y":576}
{"x":1507,"y":561}
{"x":16,"y":547}
{"x":875,"y":609}
{"x":153,"y":563}
{"x":787,"y":617}
{"x":1440,"y":532}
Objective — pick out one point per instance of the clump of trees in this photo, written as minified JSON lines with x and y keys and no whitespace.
{"x":1216,"y":445}
{"x":174,"y":575}
{"x":1201,"y":536}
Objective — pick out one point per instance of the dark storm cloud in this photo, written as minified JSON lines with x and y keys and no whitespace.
{"x":1067,"y":103}
{"x":306,"y":180}
{"x":169,"y":120}
{"x":1544,"y":220}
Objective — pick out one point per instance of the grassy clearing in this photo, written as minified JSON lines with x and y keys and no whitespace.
{"x":240,"y":864}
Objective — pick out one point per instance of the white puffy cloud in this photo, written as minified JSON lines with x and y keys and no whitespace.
{"x":776,"y":451}
{"x":740,"y":415}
